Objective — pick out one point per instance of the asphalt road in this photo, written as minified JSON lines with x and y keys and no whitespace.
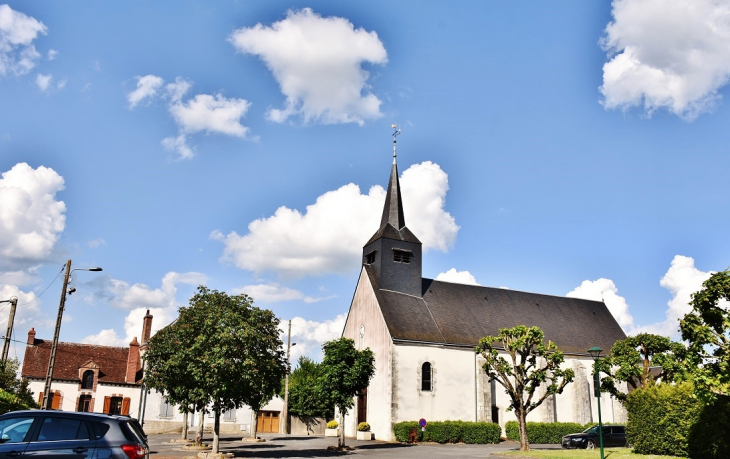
{"x":290,"y":446}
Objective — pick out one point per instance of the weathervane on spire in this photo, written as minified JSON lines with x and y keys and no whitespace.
{"x":396,"y":133}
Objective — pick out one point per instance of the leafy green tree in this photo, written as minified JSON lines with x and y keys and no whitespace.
{"x":531,"y":364}
{"x":14,"y":391}
{"x":632,"y":358}
{"x":707,"y":330}
{"x":221,"y":352}
{"x":345,"y":372}
{"x":304,"y":399}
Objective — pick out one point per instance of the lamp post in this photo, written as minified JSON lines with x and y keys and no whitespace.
{"x":289,"y":344}
{"x":47,"y":399}
{"x":595,"y":352}
{"x":6,"y":346}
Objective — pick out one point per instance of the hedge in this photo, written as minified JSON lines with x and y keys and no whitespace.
{"x":669,"y":419}
{"x":544,"y":432}
{"x":450,"y":432}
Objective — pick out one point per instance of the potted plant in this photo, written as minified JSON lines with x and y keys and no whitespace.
{"x":363,"y":431}
{"x":332,"y":430}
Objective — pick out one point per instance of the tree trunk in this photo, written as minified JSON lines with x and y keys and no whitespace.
{"x":255,"y":425}
{"x":341,"y":442}
{"x":216,"y":430}
{"x":185,"y":426}
{"x":522,"y":420}
{"x":199,"y":436}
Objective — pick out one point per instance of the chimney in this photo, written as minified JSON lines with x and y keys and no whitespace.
{"x":146,"y":327}
{"x":132,"y":362}
{"x":31,"y":336}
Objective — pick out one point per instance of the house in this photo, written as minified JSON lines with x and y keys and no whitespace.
{"x":88,"y":377}
{"x":424,"y":332}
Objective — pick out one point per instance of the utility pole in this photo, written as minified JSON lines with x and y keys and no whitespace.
{"x":286,"y":382}
{"x":6,"y":347}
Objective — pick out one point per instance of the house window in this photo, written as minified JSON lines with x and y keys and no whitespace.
{"x":84,"y":403}
{"x":402,"y":256}
{"x":165,"y":408}
{"x":116,"y":405}
{"x":426,"y":377}
{"x":229,"y":415}
{"x":370,"y":258}
{"x":87,"y":380}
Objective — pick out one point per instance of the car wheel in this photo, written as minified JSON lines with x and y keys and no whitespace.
{"x":590,"y":444}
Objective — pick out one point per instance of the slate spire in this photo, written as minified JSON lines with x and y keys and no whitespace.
{"x":393,"y":209}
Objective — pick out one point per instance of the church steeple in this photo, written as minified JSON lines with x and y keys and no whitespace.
{"x":394,"y":253}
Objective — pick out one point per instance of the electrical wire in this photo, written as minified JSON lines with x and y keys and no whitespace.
{"x":45,"y":289}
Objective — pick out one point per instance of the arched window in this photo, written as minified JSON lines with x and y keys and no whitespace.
{"x":426,"y":377}
{"x":87,"y":380}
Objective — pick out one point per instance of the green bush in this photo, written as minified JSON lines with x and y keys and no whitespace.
{"x":363,"y":427}
{"x":543,"y":432}
{"x":660,"y":419}
{"x":332,"y":424}
{"x":450,"y":432}
{"x":709,"y":437}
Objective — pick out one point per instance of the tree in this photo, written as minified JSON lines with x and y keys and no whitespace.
{"x":304,"y":399}
{"x":532,"y":363}
{"x":632,"y":358}
{"x":221,"y":352}
{"x":345,"y":372}
{"x":707,"y":330}
{"x":14,"y":391}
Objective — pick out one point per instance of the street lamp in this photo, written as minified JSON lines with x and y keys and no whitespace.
{"x":6,"y":346}
{"x":47,"y":399}
{"x":595,"y":352}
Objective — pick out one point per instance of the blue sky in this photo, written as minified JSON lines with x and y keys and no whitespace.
{"x":566,"y":148}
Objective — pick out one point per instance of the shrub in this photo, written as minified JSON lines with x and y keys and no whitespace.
{"x":442,"y":432}
{"x":450,"y":432}
{"x":543,"y":432}
{"x":480,"y":432}
{"x":332,"y":425}
{"x":363,"y":427}
{"x":709,"y":437}
{"x":403,"y":429}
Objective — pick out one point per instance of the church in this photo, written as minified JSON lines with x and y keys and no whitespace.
{"x":423,"y":333}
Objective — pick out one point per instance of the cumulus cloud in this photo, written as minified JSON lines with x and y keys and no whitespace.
{"x":200,"y":113}
{"x":62,"y":84}
{"x":133,"y":327}
{"x":310,"y":335}
{"x":27,"y":314}
{"x":457,"y":277}
{"x":324,"y":238}
{"x":667,"y":55}
{"x":52,"y":54}
{"x":17,"y":33}
{"x":317,"y":62}
{"x":96,"y":243}
{"x":43,"y":81}
{"x":31,"y":218}
{"x":147,"y":88}
{"x":605,"y":290}
{"x":273,"y":293}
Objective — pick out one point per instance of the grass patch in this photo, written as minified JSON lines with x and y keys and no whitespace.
{"x":609,"y":453}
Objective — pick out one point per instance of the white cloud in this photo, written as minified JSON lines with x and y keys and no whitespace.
{"x":318,"y":64}
{"x":205,"y":112}
{"x":605,"y":290}
{"x":672,"y":55}
{"x":329,"y":236}
{"x":17,"y":32}
{"x":27,"y":313}
{"x":147,"y":88}
{"x":96,"y":243}
{"x":457,"y":277}
{"x":272,"y":293}
{"x":62,"y":84}
{"x":178,"y":89}
{"x":179,"y":145}
{"x":43,"y":81}
{"x":52,"y":54}
{"x":106,"y":337}
{"x":30,"y":217}
{"x":310,"y":335}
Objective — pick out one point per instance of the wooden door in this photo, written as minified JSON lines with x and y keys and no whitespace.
{"x":362,"y":406}
{"x":267,"y":422}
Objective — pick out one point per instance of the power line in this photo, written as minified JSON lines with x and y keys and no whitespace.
{"x":44,"y":290}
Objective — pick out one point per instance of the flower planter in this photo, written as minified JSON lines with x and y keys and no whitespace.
{"x":367,"y":435}
{"x":332,"y":432}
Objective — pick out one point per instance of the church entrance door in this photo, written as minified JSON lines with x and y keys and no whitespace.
{"x":362,"y":406}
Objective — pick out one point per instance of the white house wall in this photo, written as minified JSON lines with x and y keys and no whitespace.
{"x":365,"y":317}
{"x":70,"y":392}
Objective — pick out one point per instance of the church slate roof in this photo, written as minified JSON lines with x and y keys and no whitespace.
{"x":393,"y":221}
{"x":459,"y":314}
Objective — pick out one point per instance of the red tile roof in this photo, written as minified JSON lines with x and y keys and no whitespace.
{"x":70,"y":357}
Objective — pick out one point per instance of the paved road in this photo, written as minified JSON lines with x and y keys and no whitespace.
{"x":290,"y":446}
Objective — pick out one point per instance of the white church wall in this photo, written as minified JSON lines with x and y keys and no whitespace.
{"x":365,"y":325}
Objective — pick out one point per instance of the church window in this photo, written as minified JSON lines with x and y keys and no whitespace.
{"x":370,"y":258}
{"x":401,"y":256}
{"x":426,"y":377}
{"x":165,"y":408}
{"x":87,"y":380}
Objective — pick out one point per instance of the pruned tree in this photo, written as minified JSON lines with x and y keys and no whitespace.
{"x":641,"y":361}
{"x":531,"y":363}
{"x":707,"y":330}
{"x":345,"y":372}
{"x":220,"y":353}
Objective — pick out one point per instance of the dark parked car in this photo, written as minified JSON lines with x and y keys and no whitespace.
{"x":612,"y":436}
{"x":63,"y":434}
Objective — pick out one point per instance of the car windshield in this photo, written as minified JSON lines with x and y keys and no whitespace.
{"x":591,"y":430}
